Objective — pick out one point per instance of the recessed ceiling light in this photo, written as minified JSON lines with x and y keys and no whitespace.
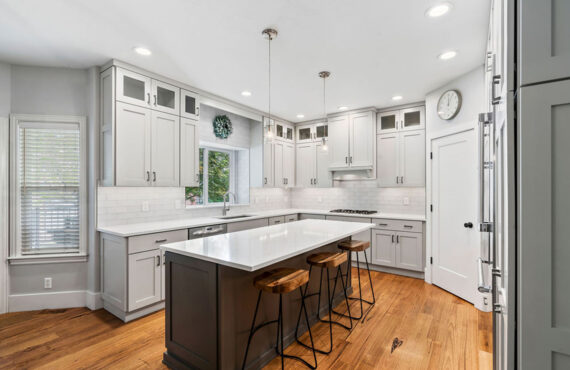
{"x":447,"y":55}
{"x":438,"y":10}
{"x":246,"y":93}
{"x":342,"y":107}
{"x":397,"y":97}
{"x":142,"y":51}
{"x":300,"y":116}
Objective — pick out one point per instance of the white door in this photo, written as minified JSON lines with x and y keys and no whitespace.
{"x":289,"y":164}
{"x":165,"y":97}
{"x":268,"y":164}
{"x":412,"y":158}
{"x":454,"y":199}
{"x":4,"y":152}
{"x":306,"y":156}
{"x":409,"y":251}
{"x":362,"y":140}
{"x":543,"y":233}
{"x":145,"y":272}
{"x":165,"y":154}
{"x":132,"y":145}
{"x":323,"y":177}
{"x":383,"y":248}
{"x":338,"y":142}
{"x":133,"y":88}
{"x":387,"y":154}
{"x":278,"y":164}
{"x":189,"y":152}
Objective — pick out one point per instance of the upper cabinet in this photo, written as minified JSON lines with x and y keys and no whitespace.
{"x":144,"y":142}
{"x":284,"y":131}
{"x":401,"y":120}
{"x":312,"y":166}
{"x":312,"y":132}
{"x":544,"y":31}
{"x":351,"y":141}
{"x":189,"y":105}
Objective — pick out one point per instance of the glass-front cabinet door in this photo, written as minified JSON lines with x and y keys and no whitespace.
{"x":165,"y":97}
{"x":321,"y":131}
{"x":412,"y":118}
{"x":279,"y":130}
{"x":305,"y":134}
{"x":387,"y":122}
{"x":133,"y":88}
{"x":189,"y":105}
{"x":289,"y":133}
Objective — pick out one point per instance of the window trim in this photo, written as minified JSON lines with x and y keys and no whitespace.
{"x":15,"y":255}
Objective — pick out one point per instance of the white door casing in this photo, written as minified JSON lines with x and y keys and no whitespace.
{"x":454,"y":198}
{"x":4,"y":199}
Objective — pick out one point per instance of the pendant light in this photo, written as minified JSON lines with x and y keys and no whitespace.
{"x":269,"y":34}
{"x":324,"y":75}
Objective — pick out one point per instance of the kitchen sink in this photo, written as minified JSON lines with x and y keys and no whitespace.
{"x":233,"y":217}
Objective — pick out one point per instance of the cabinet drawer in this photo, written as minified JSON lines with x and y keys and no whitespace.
{"x":398,"y":225}
{"x":149,"y":242}
{"x":291,"y":218}
{"x":276,"y":220}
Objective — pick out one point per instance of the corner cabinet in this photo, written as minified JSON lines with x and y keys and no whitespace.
{"x":351,"y":141}
{"x":144,"y":142}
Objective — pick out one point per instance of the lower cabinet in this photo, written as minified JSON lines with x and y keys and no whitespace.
{"x":398,"y":249}
{"x":276,"y":220}
{"x":291,"y":218}
{"x":145,"y":277}
{"x":246,"y":225}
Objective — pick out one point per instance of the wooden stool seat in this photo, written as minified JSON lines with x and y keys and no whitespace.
{"x":354,"y":245}
{"x":327,"y":259}
{"x":281,"y":280}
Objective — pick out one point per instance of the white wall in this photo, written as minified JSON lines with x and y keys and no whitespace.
{"x":472,"y":88}
{"x":5,"y":89}
{"x":240,"y":136}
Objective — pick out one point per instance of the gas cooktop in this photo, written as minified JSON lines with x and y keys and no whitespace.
{"x":354,"y":211}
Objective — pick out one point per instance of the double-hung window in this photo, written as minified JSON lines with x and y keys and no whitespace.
{"x":47,"y":186}
{"x":217,"y":176}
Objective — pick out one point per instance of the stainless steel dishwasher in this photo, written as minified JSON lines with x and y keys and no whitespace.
{"x":204,"y":231}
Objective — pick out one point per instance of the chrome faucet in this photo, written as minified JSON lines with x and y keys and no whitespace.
{"x":227,"y":208}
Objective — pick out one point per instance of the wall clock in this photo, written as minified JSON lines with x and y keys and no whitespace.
{"x":449,"y":104}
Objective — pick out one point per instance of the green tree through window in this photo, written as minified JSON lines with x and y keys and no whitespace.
{"x":217,"y":178}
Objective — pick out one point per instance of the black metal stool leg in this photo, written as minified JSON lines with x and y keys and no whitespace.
{"x":339,"y":272}
{"x":370,"y":279}
{"x":251,"y":330}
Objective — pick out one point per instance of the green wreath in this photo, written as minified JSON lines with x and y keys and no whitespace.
{"x":222,"y":126}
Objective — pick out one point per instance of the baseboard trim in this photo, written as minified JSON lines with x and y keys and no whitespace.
{"x":392,"y":270}
{"x":93,"y":301}
{"x":130,"y":316}
{"x":42,"y":301}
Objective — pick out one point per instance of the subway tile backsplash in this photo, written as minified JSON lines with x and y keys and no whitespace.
{"x":124,"y":205}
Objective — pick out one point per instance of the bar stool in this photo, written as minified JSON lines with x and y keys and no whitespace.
{"x":357,"y":246}
{"x":325,"y":261}
{"x":280,"y":281}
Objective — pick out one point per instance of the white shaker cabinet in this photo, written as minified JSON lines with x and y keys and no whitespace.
{"x":351,"y":141}
{"x":400,"y":158}
{"x":144,"y":279}
{"x":165,"y":149}
{"x":409,"y":254}
{"x":398,"y":243}
{"x":189,"y":105}
{"x":383,"y":248}
{"x":189,"y":152}
{"x":312,"y":169}
{"x":132,"y":141}
{"x":283,"y":164}
{"x":278,"y":173}
{"x":268,"y":163}
{"x":165,"y":97}
{"x":133,"y":88}
{"x":401,"y":120}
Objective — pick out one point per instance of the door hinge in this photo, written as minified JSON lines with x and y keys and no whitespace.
{"x":430,"y":155}
{"x":431,"y":207}
{"x":431,"y":260}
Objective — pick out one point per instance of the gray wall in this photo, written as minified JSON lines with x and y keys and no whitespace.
{"x":241,"y":125}
{"x":44,"y":90}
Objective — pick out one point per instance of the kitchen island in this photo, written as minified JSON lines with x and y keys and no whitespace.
{"x":210,"y":297}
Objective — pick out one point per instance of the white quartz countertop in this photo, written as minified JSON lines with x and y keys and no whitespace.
{"x":186,"y":223}
{"x":254,"y":249}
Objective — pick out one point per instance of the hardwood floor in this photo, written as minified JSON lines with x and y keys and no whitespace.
{"x":437,"y":330}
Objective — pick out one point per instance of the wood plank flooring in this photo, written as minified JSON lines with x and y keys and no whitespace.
{"x":437,"y":330}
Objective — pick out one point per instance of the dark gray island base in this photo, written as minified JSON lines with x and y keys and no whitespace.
{"x":209,"y":308}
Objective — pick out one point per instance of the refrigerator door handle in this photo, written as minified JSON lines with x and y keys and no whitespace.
{"x":481,"y":287}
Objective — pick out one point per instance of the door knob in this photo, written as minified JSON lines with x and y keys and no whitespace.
{"x":468,"y":225}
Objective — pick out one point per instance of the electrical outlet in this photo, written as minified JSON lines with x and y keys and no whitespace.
{"x":47,"y":283}
{"x":145,"y":207}
{"x":406,"y":201}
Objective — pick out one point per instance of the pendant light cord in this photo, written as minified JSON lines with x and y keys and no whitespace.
{"x":269,"y":95}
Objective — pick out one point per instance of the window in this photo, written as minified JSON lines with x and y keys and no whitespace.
{"x":216,"y":177}
{"x":48,"y":178}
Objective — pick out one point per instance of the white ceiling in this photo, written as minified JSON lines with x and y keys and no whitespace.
{"x":374,"y":48}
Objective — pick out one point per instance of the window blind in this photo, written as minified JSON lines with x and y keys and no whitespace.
{"x":49,"y":179}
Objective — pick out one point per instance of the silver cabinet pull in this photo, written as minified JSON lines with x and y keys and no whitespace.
{"x":350,"y":159}
{"x":382,"y":224}
{"x":157,"y":261}
{"x":311,"y":181}
{"x":401,"y":179}
{"x":154,"y":176}
{"x":481,"y":282}
{"x":147,"y":175}
{"x":148,"y":98}
{"x":265,"y":180}
{"x":197,"y":111}
{"x":397,"y":239}
{"x":392,"y":238}
{"x":346,"y":160}
{"x":408,"y":226}
{"x":155,"y":100}
{"x":397,"y":179}
{"x":315,"y":181}
{"x":161,"y":240}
